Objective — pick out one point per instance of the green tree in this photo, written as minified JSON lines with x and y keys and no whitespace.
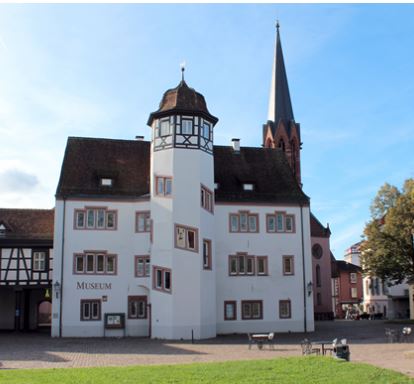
{"x":385,"y":199}
{"x":388,"y":249}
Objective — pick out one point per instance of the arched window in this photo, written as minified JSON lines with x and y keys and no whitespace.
{"x":44,"y":314}
{"x":281,"y":145}
{"x":318,"y":276}
{"x":268,"y":143}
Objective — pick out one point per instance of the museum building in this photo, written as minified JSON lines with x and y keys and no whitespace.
{"x":178,"y":238}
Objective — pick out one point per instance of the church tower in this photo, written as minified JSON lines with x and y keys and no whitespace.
{"x":281,"y":131}
{"x":183,"y":294}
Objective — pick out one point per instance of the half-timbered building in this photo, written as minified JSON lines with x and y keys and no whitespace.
{"x":26,"y":263}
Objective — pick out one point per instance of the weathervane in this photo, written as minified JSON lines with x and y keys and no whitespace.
{"x":182,"y":66}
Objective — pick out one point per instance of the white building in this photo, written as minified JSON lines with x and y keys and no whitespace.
{"x":379,"y":299}
{"x":177,"y":238}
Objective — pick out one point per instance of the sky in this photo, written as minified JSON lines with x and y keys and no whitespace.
{"x":99,"y":70}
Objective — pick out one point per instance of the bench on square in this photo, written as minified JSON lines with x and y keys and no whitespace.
{"x":260,"y":339}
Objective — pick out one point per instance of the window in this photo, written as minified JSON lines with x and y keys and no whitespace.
{"x":95,"y":218}
{"x":161,"y":279}
{"x":354,"y":293}
{"x":205,"y":130}
{"x":165,"y":128}
{"x":252,"y":309}
{"x":90,"y":310}
{"x":288,"y":265}
{"x":137,"y":307}
{"x":163,"y":186}
{"x":289,"y":223}
{"x":262,"y":265}
{"x":206,"y":199}
{"x":245,"y":265}
{"x":142,"y":266}
{"x":142,"y":221}
{"x":244,"y":222}
{"x":230,"y":310}
{"x":280,"y":222}
{"x":105,"y":182}
{"x":318,"y":276}
{"x":207,"y":254}
{"x":186,"y":238}
{"x":248,"y":187}
{"x":94,"y":263}
{"x":39,"y":261}
{"x":186,"y":127}
{"x":353,"y":277}
{"x":284,"y":309}
{"x":318,"y":298}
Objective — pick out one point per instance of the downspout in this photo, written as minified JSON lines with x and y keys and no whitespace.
{"x":303,"y":271}
{"x":61,"y":269}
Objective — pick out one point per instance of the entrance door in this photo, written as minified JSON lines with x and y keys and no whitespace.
{"x":44,"y":314}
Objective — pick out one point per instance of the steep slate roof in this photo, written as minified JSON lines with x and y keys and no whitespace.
{"x":127,"y":162}
{"x":280,"y":105}
{"x":317,"y":229}
{"x":182,"y":99}
{"x":27,"y":223}
{"x":334,"y":267}
{"x":87,"y":160}
{"x":267,"y":169}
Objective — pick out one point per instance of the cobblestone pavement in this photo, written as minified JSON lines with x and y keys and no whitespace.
{"x":36,"y":350}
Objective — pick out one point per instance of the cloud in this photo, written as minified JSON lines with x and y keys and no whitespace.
{"x":14,"y":180}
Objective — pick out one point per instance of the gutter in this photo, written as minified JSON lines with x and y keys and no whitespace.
{"x":305,"y":326}
{"x":61,"y":268}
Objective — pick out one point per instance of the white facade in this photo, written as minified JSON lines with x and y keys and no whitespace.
{"x":112,"y":290}
{"x":379,"y":299}
{"x":195,"y":306}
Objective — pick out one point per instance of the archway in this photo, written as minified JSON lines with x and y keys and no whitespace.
{"x":44,"y":314}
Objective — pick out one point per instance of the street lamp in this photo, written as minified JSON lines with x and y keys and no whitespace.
{"x":309,"y":286}
{"x":56,"y":288}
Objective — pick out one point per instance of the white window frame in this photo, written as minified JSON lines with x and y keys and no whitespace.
{"x":186,"y":126}
{"x":142,"y":221}
{"x":39,"y":261}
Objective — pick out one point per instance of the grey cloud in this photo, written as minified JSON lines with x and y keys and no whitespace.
{"x":16,"y":180}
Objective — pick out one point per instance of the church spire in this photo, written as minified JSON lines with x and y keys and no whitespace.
{"x":280,"y":106}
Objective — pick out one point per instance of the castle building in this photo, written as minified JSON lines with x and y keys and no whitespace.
{"x":178,"y":238}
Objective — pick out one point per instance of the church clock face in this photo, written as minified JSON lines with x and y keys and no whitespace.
{"x":317,"y":251}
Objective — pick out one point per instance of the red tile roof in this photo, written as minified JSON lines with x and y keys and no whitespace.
{"x":127,"y":163}
{"x":27,"y":223}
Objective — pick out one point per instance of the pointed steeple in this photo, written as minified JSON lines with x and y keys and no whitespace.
{"x":280,"y":106}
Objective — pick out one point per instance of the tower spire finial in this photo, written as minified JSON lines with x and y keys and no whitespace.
{"x":277,"y":25}
{"x":182,"y":66}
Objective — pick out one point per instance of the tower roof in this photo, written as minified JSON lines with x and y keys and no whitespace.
{"x":280,"y":106}
{"x":185,"y":100}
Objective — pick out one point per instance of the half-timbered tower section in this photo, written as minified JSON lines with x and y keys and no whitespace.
{"x":182,"y":212}
{"x":26,"y":263}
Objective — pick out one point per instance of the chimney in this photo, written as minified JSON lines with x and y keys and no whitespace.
{"x":139,"y":138}
{"x":236,"y":145}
